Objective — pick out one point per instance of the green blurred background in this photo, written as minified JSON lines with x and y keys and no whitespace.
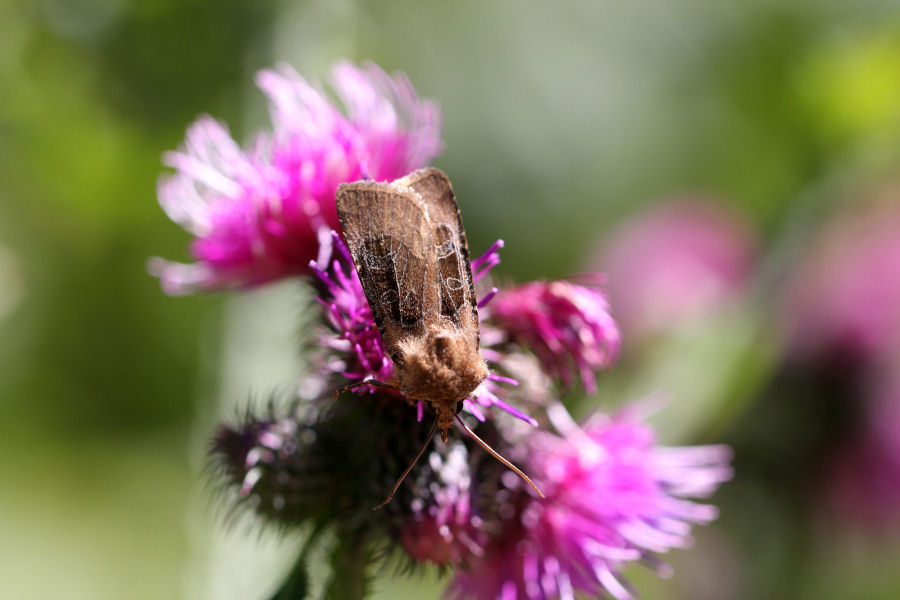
{"x":560,"y":120}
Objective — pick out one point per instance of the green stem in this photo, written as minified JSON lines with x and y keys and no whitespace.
{"x":350,"y":560}
{"x":296,"y":585}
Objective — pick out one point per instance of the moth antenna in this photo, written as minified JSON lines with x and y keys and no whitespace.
{"x":497,"y":455}
{"x":411,"y":465}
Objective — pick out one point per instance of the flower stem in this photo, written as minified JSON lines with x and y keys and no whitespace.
{"x":350,"y":560}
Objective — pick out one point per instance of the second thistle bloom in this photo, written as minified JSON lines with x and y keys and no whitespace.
{"x":567,"y":326}
{"x":613,"y":497}
{"x":843,"y":301}
{"x":680,"y":260}
{"x":256,"y":213}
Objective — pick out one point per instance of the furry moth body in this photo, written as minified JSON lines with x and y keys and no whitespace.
{"x":409,"y":247}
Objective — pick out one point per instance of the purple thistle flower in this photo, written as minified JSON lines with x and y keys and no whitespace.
{"x":843,"y":299}
{"x":862,"y":485}
{"x":612,"y":497}
{"x":567,"y":326}
{"x":862,"y":479}
{"x":443,"y":525}
{"x":679,"y":260}
{"x":352,"y":334}
{"x":256,"y":213}
{"x":266,"y":212}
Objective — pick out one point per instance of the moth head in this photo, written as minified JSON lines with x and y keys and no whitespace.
{"x":442,"y":366}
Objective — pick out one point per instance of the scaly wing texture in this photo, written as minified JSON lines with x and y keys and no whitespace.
{"x":457,"y":292}
{"x":390,"y":238}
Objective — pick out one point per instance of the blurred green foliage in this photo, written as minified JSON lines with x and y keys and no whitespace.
{"x":560,"y":119}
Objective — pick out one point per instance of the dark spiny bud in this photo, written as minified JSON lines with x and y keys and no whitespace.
{"x":265,"y":464}
{"x":336,"y":466}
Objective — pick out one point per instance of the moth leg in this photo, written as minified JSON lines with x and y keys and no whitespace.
{"x":411,"y":465}
{"x":497,"y":455}
{"x":365,"y":382}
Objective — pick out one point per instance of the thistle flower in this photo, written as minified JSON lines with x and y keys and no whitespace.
{"x":265,"y":462}
{"x":567,"y":326}
{"x":267,"y":212}
{"x":679,"y":260}
{"x":612,"y":497}
{"x":862,"y":484}
{"x":323,"y":464}
{"x":843,"y":298}
{"x":256,"y":213}
{"x":444,"y":525}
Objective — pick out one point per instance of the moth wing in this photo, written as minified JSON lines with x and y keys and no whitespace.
{"x":454,"y":271}
{"x":390,"y":239}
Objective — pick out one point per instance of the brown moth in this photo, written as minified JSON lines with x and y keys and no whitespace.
{"x":409,"y":247}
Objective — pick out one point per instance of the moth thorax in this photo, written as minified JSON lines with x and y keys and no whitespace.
{"x":441,"y":367}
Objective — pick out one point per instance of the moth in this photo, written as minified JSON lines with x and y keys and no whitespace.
{"x":409,"y":247}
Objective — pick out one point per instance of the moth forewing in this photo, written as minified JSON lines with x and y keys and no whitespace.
{"x":388,"y":234}
{"x":409,"y":248}
{"x":457,"y":291}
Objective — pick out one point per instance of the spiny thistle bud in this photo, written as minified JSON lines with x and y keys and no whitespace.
{"x":267,"y":464}
{"x":337,"y":464}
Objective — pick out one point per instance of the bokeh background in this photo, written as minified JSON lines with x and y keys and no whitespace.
{"x":566,"y":124}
